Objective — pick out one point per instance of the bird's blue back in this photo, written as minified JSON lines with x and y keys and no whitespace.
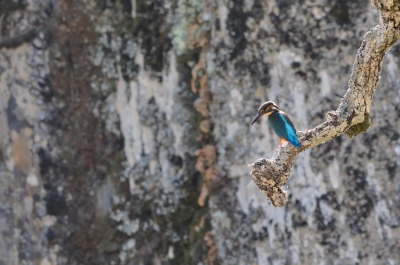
{"x":284,"y":128}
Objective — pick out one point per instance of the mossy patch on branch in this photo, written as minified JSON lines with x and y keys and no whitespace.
{"x":359,"y":127}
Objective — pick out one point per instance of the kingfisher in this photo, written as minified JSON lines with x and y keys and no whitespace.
{"x":280,"y":123}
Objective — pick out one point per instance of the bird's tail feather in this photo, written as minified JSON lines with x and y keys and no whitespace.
{"x":295,"y":143}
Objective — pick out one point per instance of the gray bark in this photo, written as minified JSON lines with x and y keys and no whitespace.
{"x":125,"y":133}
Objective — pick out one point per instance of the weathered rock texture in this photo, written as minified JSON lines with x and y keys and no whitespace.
{"x":125,"y":133}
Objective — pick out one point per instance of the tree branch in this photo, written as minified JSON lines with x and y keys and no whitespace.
{"x":353,"y":114}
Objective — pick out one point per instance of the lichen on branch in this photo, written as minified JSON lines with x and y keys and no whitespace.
{"x":352,"y":117}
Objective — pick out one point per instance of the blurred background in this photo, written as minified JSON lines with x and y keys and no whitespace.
{"x":125,"y":137}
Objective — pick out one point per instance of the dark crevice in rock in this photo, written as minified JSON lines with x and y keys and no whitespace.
{"x":151,"y":28}
{"x":236,"y":24}
{"x":16,"y":120}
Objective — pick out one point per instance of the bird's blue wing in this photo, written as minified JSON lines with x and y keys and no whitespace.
{"x":291,"y":130}
{"x":282,"y":125}
{"x":278,"y":125}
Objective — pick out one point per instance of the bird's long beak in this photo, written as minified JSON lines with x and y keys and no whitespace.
{"x":256,"y":118}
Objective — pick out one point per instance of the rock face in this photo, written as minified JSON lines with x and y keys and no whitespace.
{"x":125,"y":134}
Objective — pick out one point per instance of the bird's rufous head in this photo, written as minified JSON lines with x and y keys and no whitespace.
{"x":266,"y":108}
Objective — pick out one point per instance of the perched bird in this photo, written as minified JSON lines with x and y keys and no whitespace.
{"x":280,"y":122}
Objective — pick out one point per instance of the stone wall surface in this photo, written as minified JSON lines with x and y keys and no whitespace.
{"x":125,"y":137}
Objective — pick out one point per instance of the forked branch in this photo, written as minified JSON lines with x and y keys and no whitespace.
{"x":353,"y":114}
